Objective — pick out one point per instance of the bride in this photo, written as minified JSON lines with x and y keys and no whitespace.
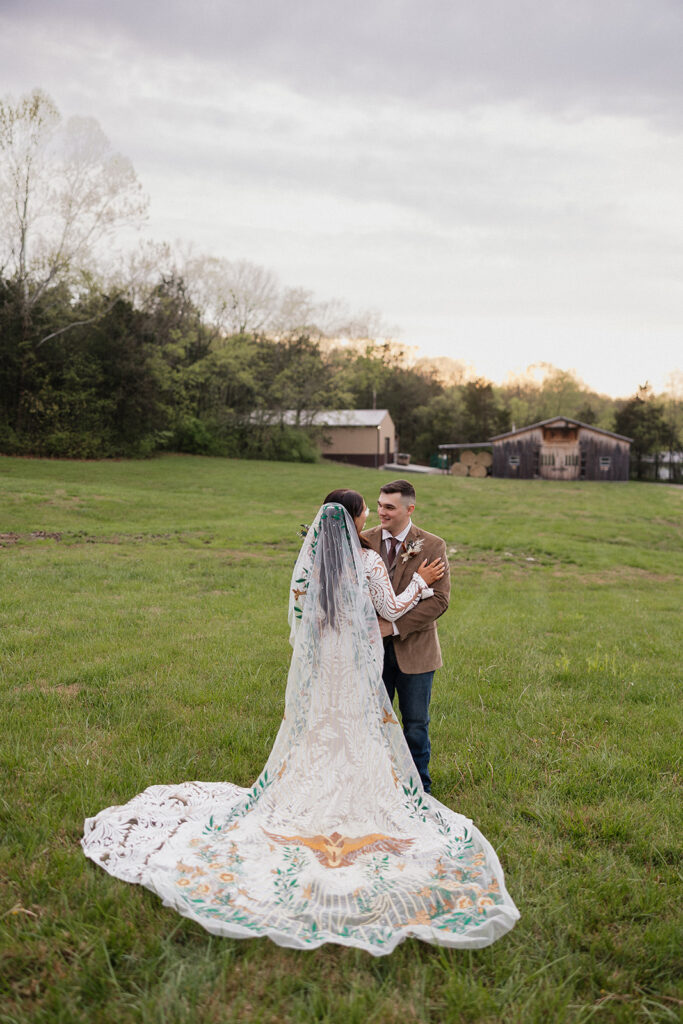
{"x":336,"y":841}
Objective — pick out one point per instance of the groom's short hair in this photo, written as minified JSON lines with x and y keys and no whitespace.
{"x":402,"y":487}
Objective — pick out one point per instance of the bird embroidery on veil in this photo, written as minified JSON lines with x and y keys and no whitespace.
{"x":337,"y":851}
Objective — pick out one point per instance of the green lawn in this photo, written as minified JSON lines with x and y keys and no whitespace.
{"x":144,"y":640}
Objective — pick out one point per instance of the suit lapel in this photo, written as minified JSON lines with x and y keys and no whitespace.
{"x":405,"y":566}
{"x":374,"y":538}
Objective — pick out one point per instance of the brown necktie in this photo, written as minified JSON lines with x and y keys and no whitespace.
{"x":392,"y":544}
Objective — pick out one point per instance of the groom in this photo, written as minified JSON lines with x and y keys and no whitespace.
{"x":411,"y":644}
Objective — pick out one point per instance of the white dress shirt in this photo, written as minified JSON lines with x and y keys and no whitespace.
{"x":400,"y":537}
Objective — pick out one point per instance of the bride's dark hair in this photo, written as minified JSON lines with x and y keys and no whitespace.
{"x":352,"y":501}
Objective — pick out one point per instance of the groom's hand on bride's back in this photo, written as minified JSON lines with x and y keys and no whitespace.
{"x":385,"y":627}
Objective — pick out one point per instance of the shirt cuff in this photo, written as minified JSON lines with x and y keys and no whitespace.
{"x":420,"y":581}
{"x":395,"y":628}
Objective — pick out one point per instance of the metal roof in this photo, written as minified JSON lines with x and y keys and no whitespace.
{"x":339,"y":417}
{"x":468,"y":444}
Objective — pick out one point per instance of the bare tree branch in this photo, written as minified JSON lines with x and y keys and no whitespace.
{"x":63,"y":192}
{"x":81,"y":323}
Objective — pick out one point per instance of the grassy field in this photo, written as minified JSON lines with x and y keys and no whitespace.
{"x":144,"y":640}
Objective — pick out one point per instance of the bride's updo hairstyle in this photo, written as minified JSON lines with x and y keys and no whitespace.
{"x":352,"y":501}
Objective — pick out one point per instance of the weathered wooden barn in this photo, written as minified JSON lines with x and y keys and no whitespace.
{"x":561,"y":448}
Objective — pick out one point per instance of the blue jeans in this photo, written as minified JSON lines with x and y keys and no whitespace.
{"x":414,"y":693}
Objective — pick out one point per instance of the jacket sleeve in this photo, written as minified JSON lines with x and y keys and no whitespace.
{"x":427,"y":612}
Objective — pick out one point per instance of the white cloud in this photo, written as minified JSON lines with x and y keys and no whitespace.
{"x":604,"y":54}
{"x":452,"y":173}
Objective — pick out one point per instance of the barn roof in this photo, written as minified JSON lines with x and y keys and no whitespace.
{"x":567,"y":421}
{"x":351,"y":417}
{"x":340,"y":417}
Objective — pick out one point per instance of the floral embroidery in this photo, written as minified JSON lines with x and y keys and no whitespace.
{"x":415,"y":802}
{"x":261,"y":785}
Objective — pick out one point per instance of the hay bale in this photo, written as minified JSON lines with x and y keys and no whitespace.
{"x":468,"y":458}
{"x":458,"y":469}
{"x":478,"y":470}
{"x":484,"y":459}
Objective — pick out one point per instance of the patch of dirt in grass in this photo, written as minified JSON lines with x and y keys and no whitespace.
{"x":42,"y":685}
{"x":80,"y":538}
{"x":60,"y":499}
{"x":7,"y":539}
{"x":264,"y":552}
{"x":64,"y":689}
{"x":76,"y":539}
{"x":620,"y":574}
{"x":69,"y":503}
{"x":254,"y":555}
{"x":660,"y":521}
{"x":122,"y":538}
{"x":521,"y":559}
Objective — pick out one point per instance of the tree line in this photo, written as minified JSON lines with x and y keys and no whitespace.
{"x":161,"y":350}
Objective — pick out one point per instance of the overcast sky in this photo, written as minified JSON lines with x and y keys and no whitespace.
{"x":501,"y":179}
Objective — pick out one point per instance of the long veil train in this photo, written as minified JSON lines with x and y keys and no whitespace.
{"x":336,"y":841}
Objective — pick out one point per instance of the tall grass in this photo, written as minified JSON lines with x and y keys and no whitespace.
{"x":144,"y":640}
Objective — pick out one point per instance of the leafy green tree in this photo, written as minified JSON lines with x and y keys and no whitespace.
{"x":587,"y":414}
{"x":63,"y":194}
{"x":642,"y":419}
{"x":545,"y":391}
{"x":439,"y":422}
{"x":672,"y":400}
{"x":379,"y":376}
{"x":97,"y":392}
{"x":483,"y":413}
{"x":304,"y":381}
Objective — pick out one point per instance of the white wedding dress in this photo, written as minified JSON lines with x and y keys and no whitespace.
{"x":336,"y":841}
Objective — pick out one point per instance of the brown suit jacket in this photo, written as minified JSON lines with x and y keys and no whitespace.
{"x":417,"y":644}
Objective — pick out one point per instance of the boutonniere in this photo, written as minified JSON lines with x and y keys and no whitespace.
{"x":412,"y":548}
